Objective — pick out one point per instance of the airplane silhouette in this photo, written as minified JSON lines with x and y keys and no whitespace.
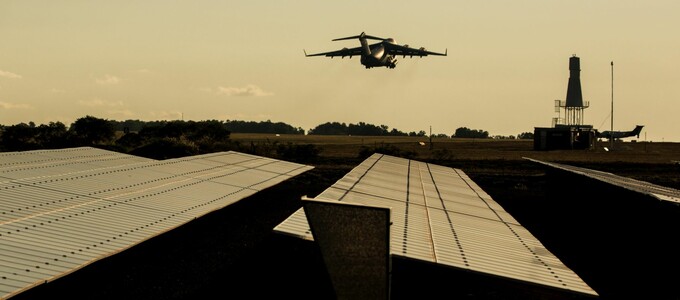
{"x":382,"y":54}
{"x":620,"y":134}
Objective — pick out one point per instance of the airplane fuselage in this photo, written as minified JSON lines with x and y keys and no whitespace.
{"x":376,"y":56}
{"x":621,"y":134}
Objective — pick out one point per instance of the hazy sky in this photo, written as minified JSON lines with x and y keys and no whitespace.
{"x":243,"y":60}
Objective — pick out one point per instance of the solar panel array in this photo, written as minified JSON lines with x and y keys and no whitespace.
{"x":656,"y":191}
{"x":63,"y":209}
{"x":440,"y":215}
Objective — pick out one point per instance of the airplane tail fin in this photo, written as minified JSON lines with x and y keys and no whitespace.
{"x":637,"y":130}
{"x":366,"y":50}
{"x":362,"y":35}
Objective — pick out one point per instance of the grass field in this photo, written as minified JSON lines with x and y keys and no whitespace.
{"x":653,"y":162}
{"x":485,"y":149}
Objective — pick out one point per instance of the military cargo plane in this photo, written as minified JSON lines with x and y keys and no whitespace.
{"x":381,"y":54}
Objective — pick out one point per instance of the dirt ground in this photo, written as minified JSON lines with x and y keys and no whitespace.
{"x":656,"y":162}
{"x":233,"y":253}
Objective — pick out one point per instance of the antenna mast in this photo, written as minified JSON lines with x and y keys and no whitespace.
{"x":611,"y":137}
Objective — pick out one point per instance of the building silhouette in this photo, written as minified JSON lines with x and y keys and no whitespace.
{"x":568,"y":130}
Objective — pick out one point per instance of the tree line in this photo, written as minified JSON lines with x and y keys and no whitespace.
{"x":230,"y":125}
{"x":156,"y":139}
{"x":92,"y":131}
{"x":179,"y":138}
{"x":337,"y":128}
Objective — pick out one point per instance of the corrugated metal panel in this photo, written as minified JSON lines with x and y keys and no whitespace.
{"x":440,"y":215}
{"x":63,"y":209}
{"x":656,"y":191}
{"x":45,"y":163}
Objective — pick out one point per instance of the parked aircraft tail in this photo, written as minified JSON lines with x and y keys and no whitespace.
{"x":637,"y":130}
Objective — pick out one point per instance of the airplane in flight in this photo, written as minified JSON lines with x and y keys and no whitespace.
{"x":381,"y":54}
{"x":620,"y":134}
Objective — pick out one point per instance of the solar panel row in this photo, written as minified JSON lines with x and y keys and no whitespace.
{"x":63,"y":209}
{"x":657,"y":191}
{"x":440,"y":215}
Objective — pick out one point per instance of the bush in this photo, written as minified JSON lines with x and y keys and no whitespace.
{"x":441,"y":155}
{"x":166,"y":148}
{"x":298,"y":153}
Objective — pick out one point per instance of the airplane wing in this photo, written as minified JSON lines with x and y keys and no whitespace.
{"x":404,"y":51}
{"x":342,"y":52}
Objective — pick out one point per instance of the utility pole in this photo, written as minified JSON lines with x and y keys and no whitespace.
{"x":430,"y":137}
{"x":611,"y":137}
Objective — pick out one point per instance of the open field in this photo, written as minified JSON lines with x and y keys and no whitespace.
{"x":233,"y":253}
{"x":477,"y":149}
{"x":653,"y":162}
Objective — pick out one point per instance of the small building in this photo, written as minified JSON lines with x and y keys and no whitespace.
{"x":569,"y":137}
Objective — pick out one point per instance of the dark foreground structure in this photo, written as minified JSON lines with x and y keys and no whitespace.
{"x":618,"y":233}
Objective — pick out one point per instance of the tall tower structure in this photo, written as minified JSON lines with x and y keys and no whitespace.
{"x":568,"y":131}
{"x":574,"y":105}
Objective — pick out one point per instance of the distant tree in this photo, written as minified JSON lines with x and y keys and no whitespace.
{"x":330,"y":128}
{"x":92,"y":131}
{"x":130,"y":125}
{"x":51,"y":136}
{"x":419,"y":133}
{"x":526,"y":136}
{"x":210,"y":136}
{"x":395,"y":132}
{"x":22,"y":137}
{"x":205,"y":136}
{"x":130,"y":140}
{"x":262,"y":127}
{"x":166,"y":148}
{"x":153,"y":130}
{"x":212,"y":130}
{"x":367,"y":129}
{"x":19,"y":137}
{"x":174,"y":129}
{"x":361,"y":128}
{"x":464,"y":132}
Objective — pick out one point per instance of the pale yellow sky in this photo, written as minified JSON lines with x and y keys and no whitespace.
{"x":243,"y":60}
